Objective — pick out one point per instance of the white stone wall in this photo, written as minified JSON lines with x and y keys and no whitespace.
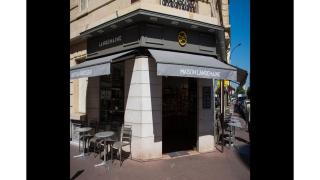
{"x":99,"y":12}
{"x":205,"y":120}
{"x":78,"y":87}
{"x":83,"y":84}
{"x":143,"y":107}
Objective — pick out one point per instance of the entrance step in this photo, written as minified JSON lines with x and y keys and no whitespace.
{"x":178,"y":154}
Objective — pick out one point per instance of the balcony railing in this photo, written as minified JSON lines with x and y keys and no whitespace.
{"x":187,"y":5}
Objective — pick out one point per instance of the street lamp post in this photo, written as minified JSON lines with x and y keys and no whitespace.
{"x":239,"y":44}
{"x":233,"y":50}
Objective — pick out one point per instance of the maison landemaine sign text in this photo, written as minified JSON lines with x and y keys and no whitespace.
{"x":110,"y":41}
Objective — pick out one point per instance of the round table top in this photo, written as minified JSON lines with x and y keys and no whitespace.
{"x":235,"y":120}
{"x":83,"y":129}
{"x":104,"y":134}
{"x":235,"y":124}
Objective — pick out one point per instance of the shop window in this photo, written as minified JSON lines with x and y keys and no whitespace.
{"x":112,"y":95}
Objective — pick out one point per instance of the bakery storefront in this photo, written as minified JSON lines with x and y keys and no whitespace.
{"x":155,"y":72}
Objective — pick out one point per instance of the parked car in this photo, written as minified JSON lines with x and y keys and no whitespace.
{"x":245,"y":110}
{"x":233,"y":99}
{"x":240,"y":99}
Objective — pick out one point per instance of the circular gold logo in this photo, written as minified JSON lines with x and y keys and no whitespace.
{"x":182,"y":38}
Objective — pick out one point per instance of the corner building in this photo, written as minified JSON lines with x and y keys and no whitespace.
{"x":151,"y":64}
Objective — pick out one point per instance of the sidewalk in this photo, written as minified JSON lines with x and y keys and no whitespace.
{"x":232,"y":164}
{"x":242,"y":144}
{"x":215,"y":165}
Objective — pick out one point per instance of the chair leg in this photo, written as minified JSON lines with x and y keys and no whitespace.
{"x":230,"y":136}
{"x":111,"y":151}
{"x":84,"y":144}
{"x":120,"y":152}
{"x":79,"y":141}
{"x":96,"y":148}
{"x":130,"y":152}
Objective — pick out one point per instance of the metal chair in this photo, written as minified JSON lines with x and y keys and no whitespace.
{"x":227,"y":128}
{"x":96,"y":142}
{"x":115,"y":127}
{"x":224,"y":129}
{"x":83,"y":123}
{"x":125,"y":140}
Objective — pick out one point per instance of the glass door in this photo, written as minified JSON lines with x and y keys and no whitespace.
{"x":179,"y":114}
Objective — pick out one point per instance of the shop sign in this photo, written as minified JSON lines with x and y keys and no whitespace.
{"x":110,"y":41}
{"x":82,"y":73}
{"x":182,"y":38}
{"x":226,"y":83}
{"x":197,"y":72}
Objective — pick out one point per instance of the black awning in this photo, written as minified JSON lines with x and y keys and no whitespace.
{"x":191,"y":65}
{"x":96,"y":67}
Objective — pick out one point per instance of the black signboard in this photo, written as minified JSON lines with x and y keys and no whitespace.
{"x":151,"y":36}
{"x":206,"y":97}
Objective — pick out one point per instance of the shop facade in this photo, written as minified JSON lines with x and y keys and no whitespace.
{"x":155,"y":72}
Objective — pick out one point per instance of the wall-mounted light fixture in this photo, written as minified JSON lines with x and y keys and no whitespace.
{"x":100,"y":31}
{"x":153,"y":18}
{"x":194,"y":27}
{"x":128,"y":20}
{"x":174,"y":22}
{"x":113,"y":26}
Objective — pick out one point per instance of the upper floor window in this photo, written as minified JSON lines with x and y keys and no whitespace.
{"x":83,"y":4}
{"x":133,"y":1}
{"x":187,"y":5}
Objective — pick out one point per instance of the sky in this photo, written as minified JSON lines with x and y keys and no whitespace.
{"x":240,"y":33}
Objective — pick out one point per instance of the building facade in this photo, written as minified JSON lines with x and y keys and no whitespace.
{"x":150,"y":64}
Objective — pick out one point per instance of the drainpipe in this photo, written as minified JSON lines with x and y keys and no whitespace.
{"x":213,"y":11}
{"x":223,"y":57}
{"x":220,"y":12}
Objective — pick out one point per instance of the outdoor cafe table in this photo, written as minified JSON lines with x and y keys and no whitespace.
{"x":82,"y":130}
{"x":235,"y":118}
{"x":104,"y":135}
{"x":233,"y":124}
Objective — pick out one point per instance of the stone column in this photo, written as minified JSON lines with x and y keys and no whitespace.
{"x":83,"y":84}
{"x":143,"y":107}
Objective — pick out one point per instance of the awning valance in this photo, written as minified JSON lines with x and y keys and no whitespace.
{"x":241,"y":76}
{"x":191,"y":65}
{"x":96,"y":67}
